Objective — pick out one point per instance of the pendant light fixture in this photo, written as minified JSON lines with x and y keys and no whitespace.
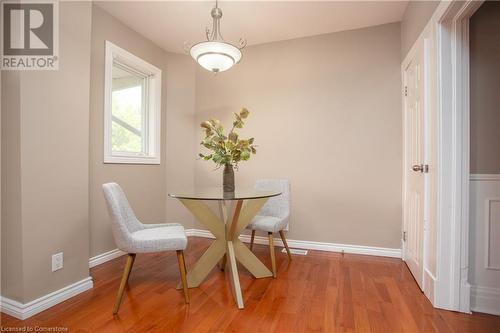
{"x":215,"y":54}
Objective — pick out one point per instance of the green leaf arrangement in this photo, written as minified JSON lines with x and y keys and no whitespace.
{"x":227,"y":149}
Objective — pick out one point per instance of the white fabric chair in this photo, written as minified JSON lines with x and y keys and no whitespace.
{"x":274,"y":216}
{"x":134,"y":237}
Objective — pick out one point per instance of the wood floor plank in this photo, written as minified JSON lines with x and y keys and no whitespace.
{"x":320,"y":292}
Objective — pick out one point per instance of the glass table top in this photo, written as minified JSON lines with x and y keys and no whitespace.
{"x":216,"y":193}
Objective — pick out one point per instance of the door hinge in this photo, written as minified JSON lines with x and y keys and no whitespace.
{"x":423,"y":168}
{"x":406,"y":91}
{"x":404,"y":236}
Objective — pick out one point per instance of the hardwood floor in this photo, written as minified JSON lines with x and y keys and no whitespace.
{"x":320,"y":292}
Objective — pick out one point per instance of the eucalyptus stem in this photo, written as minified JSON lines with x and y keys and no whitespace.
{"x":227,"y":149}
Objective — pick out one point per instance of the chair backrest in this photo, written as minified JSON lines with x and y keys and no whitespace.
{"x":278,"y":206}
{"x":123,"y":219}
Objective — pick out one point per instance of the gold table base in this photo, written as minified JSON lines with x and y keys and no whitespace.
{"x":226,"y":232}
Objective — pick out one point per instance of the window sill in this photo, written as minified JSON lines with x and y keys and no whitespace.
{"x":131,"y":160}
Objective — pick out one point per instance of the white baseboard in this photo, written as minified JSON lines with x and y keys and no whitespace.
{"x":26,"y":310}
{"x":199,"y":233}
{"x":429,"y":282}
{"x":485,"y":299}
{"x":309,"y":245}
{"x":298,"y":244}
{"x":105,"y":257}
{"x":465,"y":297}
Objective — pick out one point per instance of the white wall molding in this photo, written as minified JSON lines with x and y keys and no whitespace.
{"x":485,"y":299}
{"x":429,"y":284}
{"x":105,"y":257}
{"x":491,"y":247}
{"x":199,"y":233}
{"x":25,"y":310}
{"x":310,"y":245}
{"x":484,"y":264}
{"x":298,"y":244}
{"x":451,"y":21}
{"x":484,"y":177}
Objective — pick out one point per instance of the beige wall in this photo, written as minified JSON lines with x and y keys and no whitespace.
{"x":47,"y":200}
{"x":11,"y":187}
{"x":145,"y":185}
{"x":48,"y":181}
{"x":326,"y":114}
{"x":415,"y":18}
{"x":332,"y":125}
{"x":484,"y":84}
{"x":180,"y":133}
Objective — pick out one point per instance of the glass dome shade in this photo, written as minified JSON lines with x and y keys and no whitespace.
{"x":215,"y":56}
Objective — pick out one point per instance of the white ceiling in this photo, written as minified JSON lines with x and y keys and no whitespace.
{"x":171,"y":23}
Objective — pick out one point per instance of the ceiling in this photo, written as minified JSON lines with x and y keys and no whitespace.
{"x":171,"y":23}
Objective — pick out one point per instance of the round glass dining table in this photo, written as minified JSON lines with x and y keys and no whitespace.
{"x":236,"y":211}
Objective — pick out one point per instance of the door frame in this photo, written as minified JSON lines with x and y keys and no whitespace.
{"x":452,"y":289}
{"x":448,"y":30}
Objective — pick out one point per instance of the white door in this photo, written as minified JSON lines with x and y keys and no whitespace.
{"x":414,"y":168}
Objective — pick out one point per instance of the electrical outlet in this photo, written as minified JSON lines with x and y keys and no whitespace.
{"x":57,"y":261}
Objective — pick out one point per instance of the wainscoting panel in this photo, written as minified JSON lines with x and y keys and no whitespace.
{"x":484,"y":259}
{"x":493,"y":234}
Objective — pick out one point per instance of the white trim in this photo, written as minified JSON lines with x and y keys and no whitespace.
{"x":428,"y":160}
{"x":105,"y":257}
{"x":199,"y":233}
{"x":448,"y":27}
{"x":299,"y":244}
{"x":484,"y":177}
{"x":310,"y":245}
{"x":452,"y":287}
{"x":485,"y":299}
{"x":26,"y":310}
{"x":429,"y":282}
{"x":429,"y":273}
{"x":487,"y":228}
{"x":153,"y":99}
{"x":131,"y":160}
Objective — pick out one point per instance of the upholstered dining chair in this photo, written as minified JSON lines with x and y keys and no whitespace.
{"x":132,"y":237}
{"x":274,"y":216}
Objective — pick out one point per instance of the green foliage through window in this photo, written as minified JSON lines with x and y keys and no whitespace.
{"x":127,"y":112}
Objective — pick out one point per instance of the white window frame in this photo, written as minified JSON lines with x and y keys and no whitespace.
{"x":153,"y":100}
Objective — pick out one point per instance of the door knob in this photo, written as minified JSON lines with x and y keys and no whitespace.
{"x":420,"y":168}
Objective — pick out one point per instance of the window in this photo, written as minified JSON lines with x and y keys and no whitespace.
{"x":132,"y":109}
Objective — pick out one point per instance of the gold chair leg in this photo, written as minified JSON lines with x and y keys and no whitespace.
{"x":123,"y":283}
{"x":251,"y":240}
{"x":271,"y":250}
{"x":182,"y":270}
{"x":282,"y":235}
